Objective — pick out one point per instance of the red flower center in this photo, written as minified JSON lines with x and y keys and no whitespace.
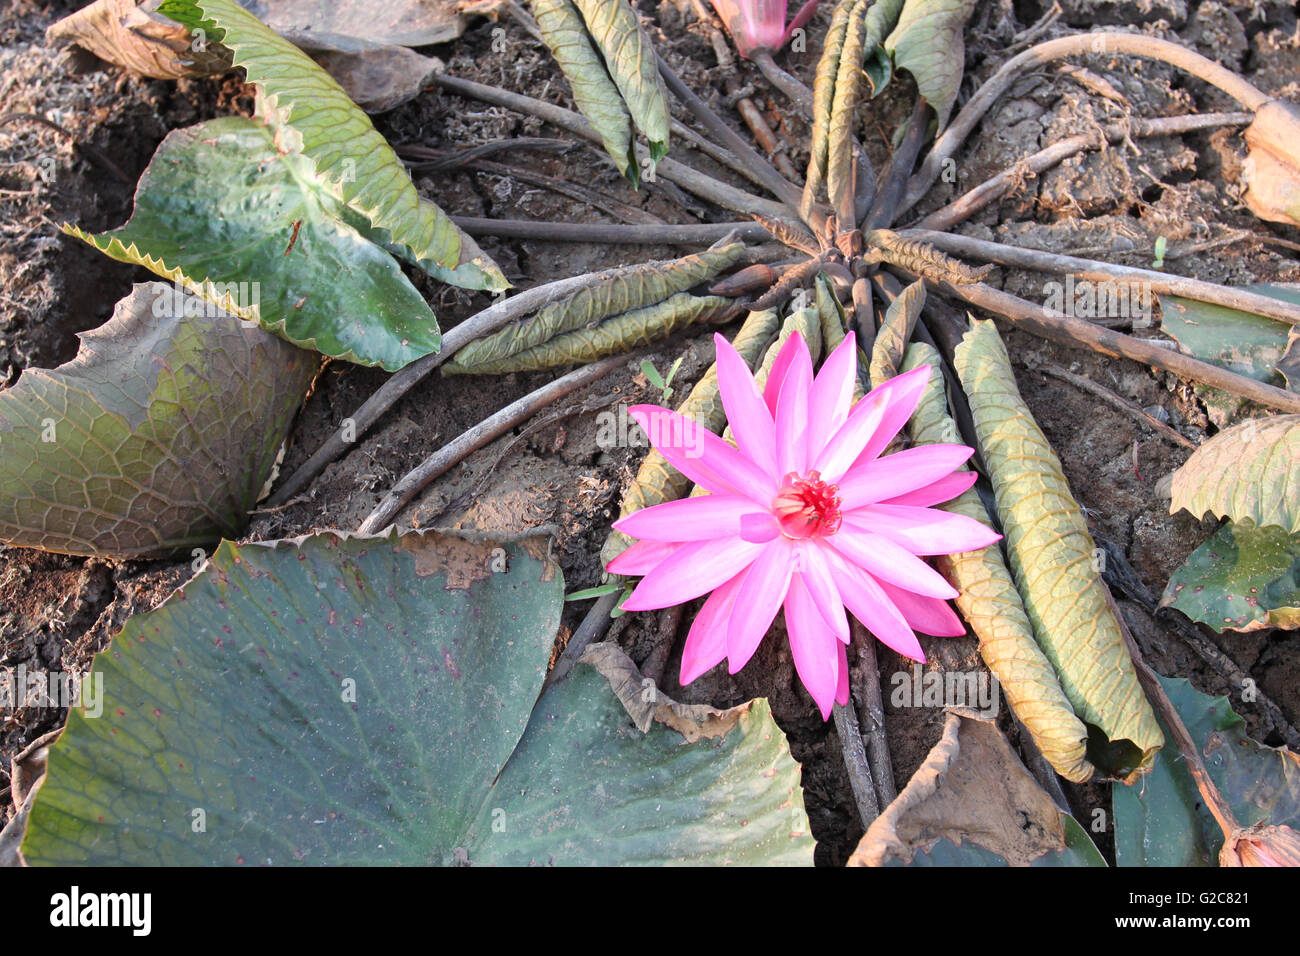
{"x":807,"y":507}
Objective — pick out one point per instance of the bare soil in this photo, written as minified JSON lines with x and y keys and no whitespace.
{"x":58,"y":611}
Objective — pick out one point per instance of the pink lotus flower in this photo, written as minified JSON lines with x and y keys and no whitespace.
{"x":760,"y":24}
{"x":804,"y":513}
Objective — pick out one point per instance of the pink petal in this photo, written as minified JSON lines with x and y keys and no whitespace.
{"x":702,"y":456}
{"x":693,"y":569}
{"x":872,"y":423}
{"x":757,"y":602}
{"x":747,"y":414}
{"x":800,"y":19}
{"x":814,"y":646}
{"x":832,"y":395}
{"x":640,"y":558}
{"x":889,"y":562}
{"x":819,"y":579}
{"x":899,"y":473}
{"x":706,"y":642}
{"x":866,"y":598}
{"x":759,"y":527}
{"x":922,"y":530}
{"x":753,"y":24}
{"x":927,"y":615}
{"x":689,"y":519}
{"x":937,"y":492}
{"x":781,"y":368}
{"x":792,"y":414}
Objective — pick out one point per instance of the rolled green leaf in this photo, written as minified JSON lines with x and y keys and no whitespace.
{"x":634,"y":66}
{"x":594,"y":91}
{"x":622,"y":333}
{"x":635,"y":288}
{"x":991,"y":605}
{"x":1052,"y":557}
{"x":823,"y":100}
{"x":831,"y":313}
{"x":894,"y":332}
{"x":844,"y":109}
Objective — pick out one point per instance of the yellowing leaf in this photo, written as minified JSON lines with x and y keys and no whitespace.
{"x":991,"y":605}
{"x":1052,"y":556}
{"x":1250,"y":471}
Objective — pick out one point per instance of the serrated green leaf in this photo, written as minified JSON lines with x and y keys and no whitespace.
{"x":312,"y":115}
{"x":621,"y":333}
{"x":221,"y":207}
{"x":633,"y":65}
{"x":1243,"y":579}
{"x":594,"y":92}
{"x":991,"y":605}
{"x":657,"y":481}
{"x":894,"y":333}
{"x":1164,"y":822}
{"x":636,"y":287}
{"x":1250,"y":471}
{"x":1052,"y":557}
{"x":927,"y":42}
{"x":156,"y":438}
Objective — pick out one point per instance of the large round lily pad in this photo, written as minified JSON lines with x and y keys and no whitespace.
{"x":367,"y":700}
